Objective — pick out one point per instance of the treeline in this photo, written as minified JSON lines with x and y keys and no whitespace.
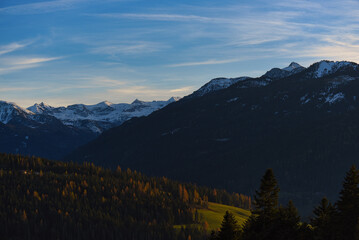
{"x":269,"y":220}
{"x":42,"y":199}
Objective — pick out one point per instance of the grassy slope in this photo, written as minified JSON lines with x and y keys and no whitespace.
{"x":215,"y":212}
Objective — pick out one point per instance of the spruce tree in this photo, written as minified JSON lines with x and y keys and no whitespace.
{"x":261,"y":224}
{"x":291,"y":215}
{"x":322,"y":222}
{"x":348,"y":206}
{"x":286,"y":223}
{"x":229,"y":228}
{"x":266,"y":199}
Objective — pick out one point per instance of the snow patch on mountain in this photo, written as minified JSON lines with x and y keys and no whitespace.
{"x":98,"y":116}
{"x":247,"y":82}
{"x":95,"y":118}
{"x":292,"y":67}
{"x":217,"y":84}
{"x":324,"y":68}
{"x":329,"y":67}
{"x":39,"y":108}
{"x":305,"y":99}
{"x":232,"y":100}
{"x":332,"y":98}
{"x":9,"y":110}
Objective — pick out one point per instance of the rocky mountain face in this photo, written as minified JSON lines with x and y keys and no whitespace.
{"x":302,"y":122}
{"x":53,"y":132}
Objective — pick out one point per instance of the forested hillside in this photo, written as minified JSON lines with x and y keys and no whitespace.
{"x":42,"y":199}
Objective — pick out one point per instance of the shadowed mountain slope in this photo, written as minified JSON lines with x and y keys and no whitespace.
{"x":305,"y":126}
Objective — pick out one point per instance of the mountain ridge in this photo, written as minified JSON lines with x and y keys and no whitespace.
{"x":295,"y":125}
{"x":53,"y":132}
{"x":107,"y":112}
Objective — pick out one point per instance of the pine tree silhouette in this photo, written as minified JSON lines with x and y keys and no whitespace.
{"x":229,"y":229}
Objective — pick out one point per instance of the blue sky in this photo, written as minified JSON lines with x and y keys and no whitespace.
{"x":85,"y":51}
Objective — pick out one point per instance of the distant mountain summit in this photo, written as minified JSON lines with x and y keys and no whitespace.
{"x":294,"y":67}
{"x":9,"y":111}
{"x":39,"y":108}
{"x":101,"y":116}
{"x":277,"y":73}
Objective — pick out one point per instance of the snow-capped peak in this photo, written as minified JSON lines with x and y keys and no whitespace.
{"x":137,"y":101}
{"x":292,"y":66}
{"x":325,"y":67}
{"x":98,"y":106}
{"x":277,"y":73}
{"x":105,"y":103}
{"x":9,"y":110}
{"x":104,"y":114}
{"x":39,"y":108}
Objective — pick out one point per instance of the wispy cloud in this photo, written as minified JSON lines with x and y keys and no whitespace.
{"x":109,"y":82}
{"x":129,"y":48}
{"x":125,"y":86}
{"x":11,"y":64}
{"x":162,"y":17}
{"x":27,"y":60}
{"x":300,"y":4}
{"x":132,"y":43}
{"x":207,"y":62}
{"x":117,"y":90}
{"x":11,"y":68}
{"x":40,"y":7}
{"x":18,"y":89}
{"x":98,"y":82}
{"x":182,"y":90}
{"x":148,"y":93}
{"x":11,"y":47}
{"x":332,"y":52}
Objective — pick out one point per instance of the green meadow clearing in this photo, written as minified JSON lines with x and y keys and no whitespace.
{"x":215,"y":212}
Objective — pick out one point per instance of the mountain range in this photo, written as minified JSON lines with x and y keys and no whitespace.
{"x":53,"y":132}
{"x":302,"y":122}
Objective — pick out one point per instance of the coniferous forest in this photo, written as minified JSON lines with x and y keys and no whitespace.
{"x":42,"y":199}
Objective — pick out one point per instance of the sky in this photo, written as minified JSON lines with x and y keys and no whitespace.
{"x":63,"y":52}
